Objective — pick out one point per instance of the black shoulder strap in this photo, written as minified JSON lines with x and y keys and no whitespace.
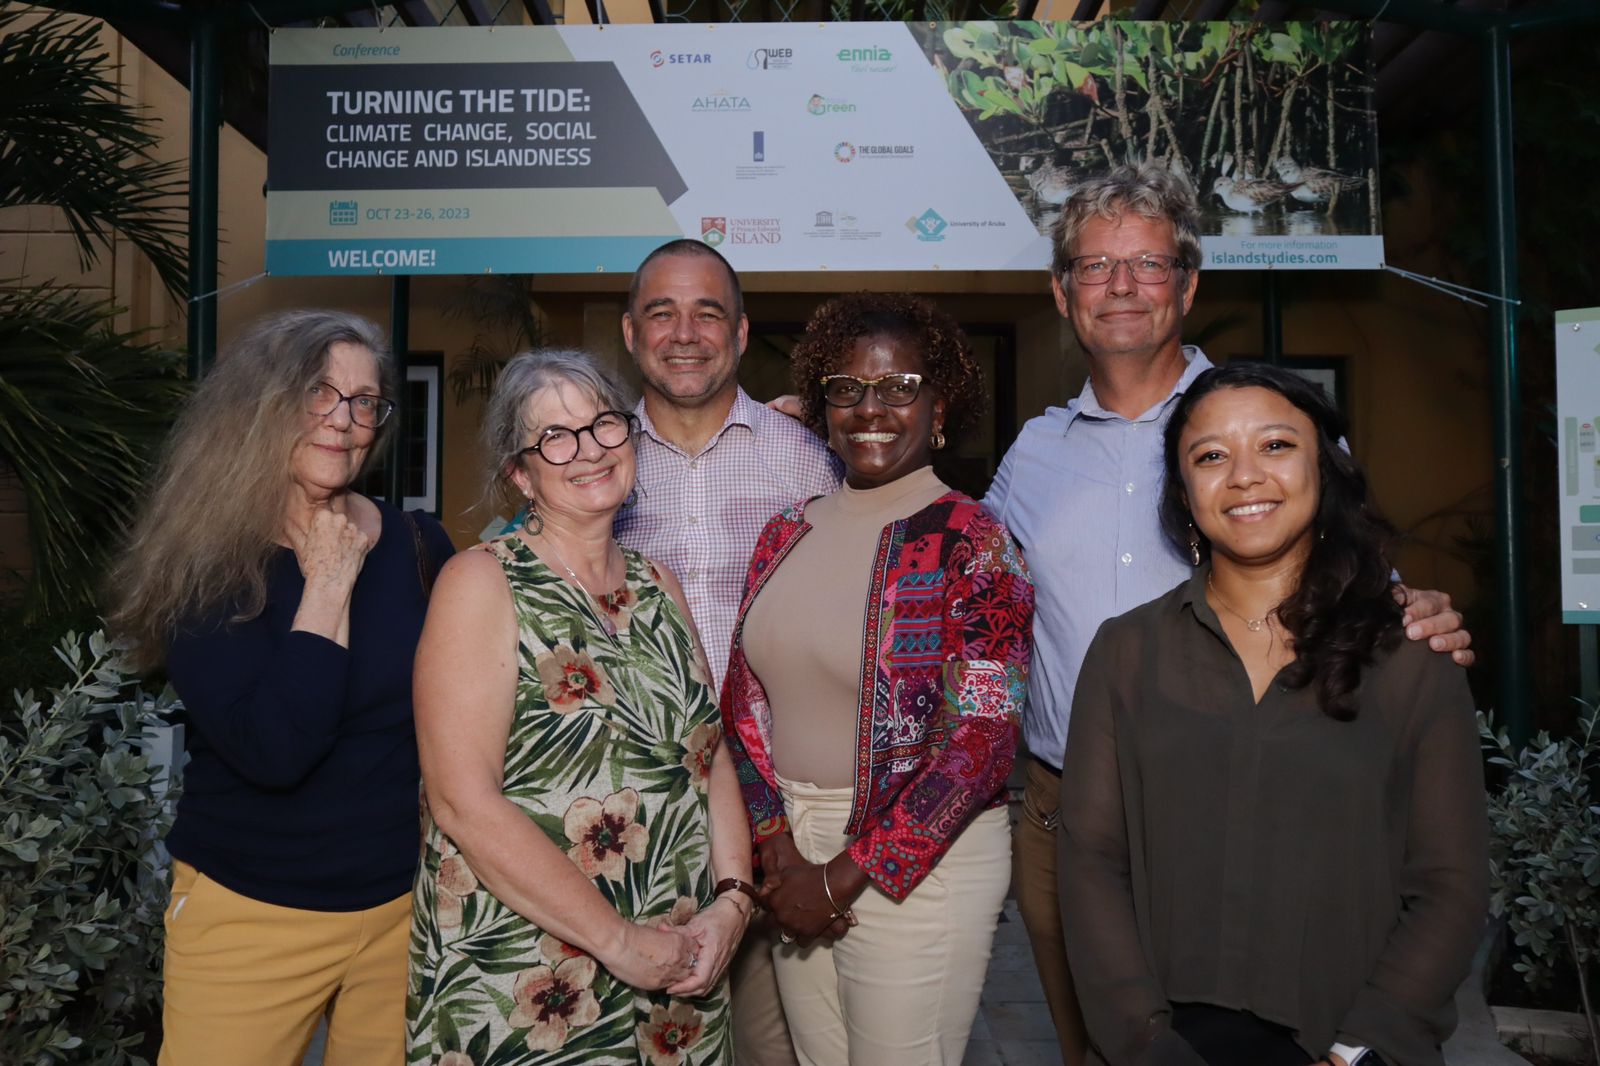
{"x":424,"y":564}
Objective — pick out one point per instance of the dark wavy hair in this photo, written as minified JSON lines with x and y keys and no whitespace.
{"x":948,"y":363}
{"x":1343,"y":610}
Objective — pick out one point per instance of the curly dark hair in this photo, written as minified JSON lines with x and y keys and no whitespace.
{"x":949,"y":366}
{"x":1343,"y":611}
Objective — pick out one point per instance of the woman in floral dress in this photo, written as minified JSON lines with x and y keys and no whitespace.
{"x":585,"y":868}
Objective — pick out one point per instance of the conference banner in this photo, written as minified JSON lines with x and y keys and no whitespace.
{"x":833,"y":146}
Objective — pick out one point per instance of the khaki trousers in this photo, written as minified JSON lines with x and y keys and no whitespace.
{"x":902,"y":987}
{"x":247,"y":982}
{"x":760,"y":1033}
{"x":1039,"y":901}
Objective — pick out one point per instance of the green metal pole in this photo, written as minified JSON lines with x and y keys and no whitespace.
{"x":399,"y":343}
{"x":205,"y":129}
{"x":1271,"y":319}
{"x":1500,"y":166}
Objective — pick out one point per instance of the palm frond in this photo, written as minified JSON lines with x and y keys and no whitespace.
{"x":83,"y":409}
{"x":68,"y":139}
{"x":507,"y":318}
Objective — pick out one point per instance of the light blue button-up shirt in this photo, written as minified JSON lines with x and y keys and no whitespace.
{"x":1079,"y":490}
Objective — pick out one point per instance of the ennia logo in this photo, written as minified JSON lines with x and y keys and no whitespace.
{"x":864,"y":55}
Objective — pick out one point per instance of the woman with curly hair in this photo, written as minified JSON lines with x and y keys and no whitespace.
{"x":1274,"y":845}
{"x":878,"y":669}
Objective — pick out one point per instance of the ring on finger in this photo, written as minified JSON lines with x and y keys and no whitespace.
{"x":787,"y":938}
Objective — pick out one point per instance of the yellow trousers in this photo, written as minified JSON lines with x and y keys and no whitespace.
{"x":246,"y":982}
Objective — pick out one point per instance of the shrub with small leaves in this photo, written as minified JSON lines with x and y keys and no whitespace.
{"x":80,"y":900}
{"x":1544,"y":853}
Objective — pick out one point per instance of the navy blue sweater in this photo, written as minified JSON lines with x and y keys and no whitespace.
{"x":301,"y":786}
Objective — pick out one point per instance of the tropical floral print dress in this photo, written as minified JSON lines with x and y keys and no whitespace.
{"x":609,"y":754}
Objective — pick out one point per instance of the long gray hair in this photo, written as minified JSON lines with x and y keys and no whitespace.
{"x":506,"y":424}
{"x":1150,"y":190}
{"x":214,"y":516}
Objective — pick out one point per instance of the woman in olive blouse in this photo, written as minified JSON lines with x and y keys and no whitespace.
{"x":1274,"y":846}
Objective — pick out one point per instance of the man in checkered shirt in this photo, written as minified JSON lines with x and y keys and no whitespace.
{"x":713,"y":466}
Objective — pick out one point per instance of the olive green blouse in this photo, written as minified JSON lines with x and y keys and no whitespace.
{"x":1328,"y":876}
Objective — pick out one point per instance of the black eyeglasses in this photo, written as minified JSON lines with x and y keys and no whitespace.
{"x":1146,"y":269}
{"x":558,"y":445}
{"x":366,"y":409}
{"x":896,"y":390}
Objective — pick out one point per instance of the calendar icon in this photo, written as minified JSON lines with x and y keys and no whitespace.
{"x":342,"y":213}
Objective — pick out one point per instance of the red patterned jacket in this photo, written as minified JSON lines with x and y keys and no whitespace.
{"x":945,"y":674}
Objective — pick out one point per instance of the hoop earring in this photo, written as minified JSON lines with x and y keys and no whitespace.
{"x":938,"y":440}
{"x":1194,"y":545}
{"x":532,"y":521}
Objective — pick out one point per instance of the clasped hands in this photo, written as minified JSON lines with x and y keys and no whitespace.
{"x":797,"y":891}
{"x":684,"y":956}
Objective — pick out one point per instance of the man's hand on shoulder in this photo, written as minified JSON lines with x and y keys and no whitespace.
{"x":787,"y":404}
{"x":1429,"y":616}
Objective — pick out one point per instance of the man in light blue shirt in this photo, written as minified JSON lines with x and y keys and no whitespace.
{"x":1079,"y":488}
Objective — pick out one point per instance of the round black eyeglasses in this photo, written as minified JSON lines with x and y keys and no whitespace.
{"x":558,"y":445}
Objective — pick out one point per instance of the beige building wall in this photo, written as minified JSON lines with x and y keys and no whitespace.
{"x":1416,"y":360}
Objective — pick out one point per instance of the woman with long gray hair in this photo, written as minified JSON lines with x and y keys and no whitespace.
{"x":286,"y":608}
{"x":586,"y":866}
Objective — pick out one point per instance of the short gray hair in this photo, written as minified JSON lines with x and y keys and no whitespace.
{"x":1149,"y":189}
{"x":505,"y":423}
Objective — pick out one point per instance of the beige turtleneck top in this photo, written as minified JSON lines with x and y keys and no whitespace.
{"x":803,"y":632}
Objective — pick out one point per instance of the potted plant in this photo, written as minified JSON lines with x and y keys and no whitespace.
{"x":1544,"y":858}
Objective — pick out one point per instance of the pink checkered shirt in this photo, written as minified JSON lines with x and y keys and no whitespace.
{"x":700,"y":514}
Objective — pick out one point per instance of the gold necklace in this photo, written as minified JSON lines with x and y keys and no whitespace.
{"x":1254,"y":625}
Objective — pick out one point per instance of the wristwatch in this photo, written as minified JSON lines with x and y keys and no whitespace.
{"x":1350,"y":1054}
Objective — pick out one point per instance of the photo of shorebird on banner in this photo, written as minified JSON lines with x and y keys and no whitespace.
{"x":1273,"y":124}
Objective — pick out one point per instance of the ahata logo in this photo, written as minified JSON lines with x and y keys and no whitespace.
{"x":844,"y":151}
{"x":719,"y":102}
{"x":714,"y":230}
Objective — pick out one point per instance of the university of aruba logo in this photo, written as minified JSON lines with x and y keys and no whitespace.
{"x":714,"y":230}
{"x":844,"y":151}
{"x":929,"y":226}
